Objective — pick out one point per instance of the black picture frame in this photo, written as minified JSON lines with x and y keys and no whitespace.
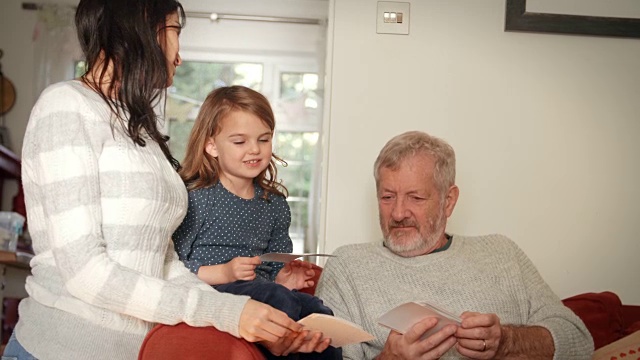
{"x":518,"y":19}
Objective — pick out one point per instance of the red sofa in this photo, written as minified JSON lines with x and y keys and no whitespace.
{"x":603,"y":314}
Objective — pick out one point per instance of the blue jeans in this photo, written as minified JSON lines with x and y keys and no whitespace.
{"x":15,"y":351}
{"x":295,"y":304}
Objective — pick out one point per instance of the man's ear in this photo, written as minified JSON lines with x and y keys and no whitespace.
{"x":211,"y":147}
{"x":451,"y":199}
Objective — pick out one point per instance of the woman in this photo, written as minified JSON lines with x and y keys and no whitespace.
{"x":103,"y":198}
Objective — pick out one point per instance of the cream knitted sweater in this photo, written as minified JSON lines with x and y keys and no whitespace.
{"x":101,"y":211}
{"x":488,"y":274}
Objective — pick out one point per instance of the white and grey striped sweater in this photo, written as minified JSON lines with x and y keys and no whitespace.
{"x":101,"y":211}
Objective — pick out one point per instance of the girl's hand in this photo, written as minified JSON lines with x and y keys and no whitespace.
{"x":261,"y":322}
{"x":296,"y":275}
{"x":241,"y":268}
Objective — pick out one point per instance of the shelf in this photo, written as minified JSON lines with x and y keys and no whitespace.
{"x":19,"y":260}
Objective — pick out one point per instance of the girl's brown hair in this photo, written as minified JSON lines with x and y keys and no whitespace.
{"x":199,"y":169}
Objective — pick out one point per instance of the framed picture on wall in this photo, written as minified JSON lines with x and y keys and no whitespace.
{"x":519,"y":17}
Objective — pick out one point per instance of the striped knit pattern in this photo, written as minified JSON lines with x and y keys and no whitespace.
{"x":487,"y":274}
{"x":101,"y":211}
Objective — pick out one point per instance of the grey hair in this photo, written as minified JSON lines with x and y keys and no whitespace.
{"x":411,"y":143}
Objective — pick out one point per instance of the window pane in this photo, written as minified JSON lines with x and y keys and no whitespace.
{"x":79,"y":68}
{"x":195,"y":80}
{"x":299,"y":151}
{"x":299,"y":106}
{"x":298,"y":118}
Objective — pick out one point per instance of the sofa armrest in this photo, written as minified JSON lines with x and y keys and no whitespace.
{"x":601,"y":313}
{"x":181,"y":341}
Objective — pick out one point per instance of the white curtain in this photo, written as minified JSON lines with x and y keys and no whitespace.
{"x":56,"y":47}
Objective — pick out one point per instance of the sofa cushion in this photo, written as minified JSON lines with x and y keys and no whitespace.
{"x":631,"y":317}
{"x":601,"y":314}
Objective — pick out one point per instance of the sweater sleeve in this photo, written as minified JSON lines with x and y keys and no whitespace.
{"x":176,"y":272}
{"x":571,"y":338}
{"x":185,"y":236}
{"x":336,"y":289}
{"x":61,"y":162}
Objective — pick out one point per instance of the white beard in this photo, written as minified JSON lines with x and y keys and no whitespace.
{"x":412,"y":244}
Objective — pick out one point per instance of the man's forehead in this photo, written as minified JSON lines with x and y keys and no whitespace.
{"x":420,"y":165}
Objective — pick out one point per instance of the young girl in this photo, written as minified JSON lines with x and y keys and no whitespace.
{"x":237,"y":209}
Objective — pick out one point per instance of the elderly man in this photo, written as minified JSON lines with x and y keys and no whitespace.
{"x":507,"y":310}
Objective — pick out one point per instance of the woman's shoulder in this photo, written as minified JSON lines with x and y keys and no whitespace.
{"x":68,"y":96}
{"x":70,"y":89}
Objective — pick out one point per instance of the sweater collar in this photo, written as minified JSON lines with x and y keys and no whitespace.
{"x":444,"y":252}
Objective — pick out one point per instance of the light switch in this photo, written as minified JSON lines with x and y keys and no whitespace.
{"x":392,"y":18}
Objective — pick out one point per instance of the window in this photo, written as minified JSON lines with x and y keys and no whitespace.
{"x":297,"y":108}
{"x":79,"y":68}
{"x":297,"y":133}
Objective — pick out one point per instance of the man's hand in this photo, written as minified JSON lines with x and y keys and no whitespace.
{"x":296,"y":275}
{"x":479,"y":335}
{"x":411,"y":345}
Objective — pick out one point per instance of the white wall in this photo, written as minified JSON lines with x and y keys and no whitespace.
{"x":545,"y":128}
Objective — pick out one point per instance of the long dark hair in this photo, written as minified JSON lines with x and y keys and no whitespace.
{"x":200,"y":169}
{"x":124,"y":34}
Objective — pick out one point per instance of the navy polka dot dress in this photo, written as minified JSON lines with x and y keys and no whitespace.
{"x":220,"y":226}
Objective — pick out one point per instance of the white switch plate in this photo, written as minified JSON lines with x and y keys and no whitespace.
{"x":393,"y":9}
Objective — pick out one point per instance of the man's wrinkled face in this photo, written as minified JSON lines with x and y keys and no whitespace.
{"x":411,"y":208}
